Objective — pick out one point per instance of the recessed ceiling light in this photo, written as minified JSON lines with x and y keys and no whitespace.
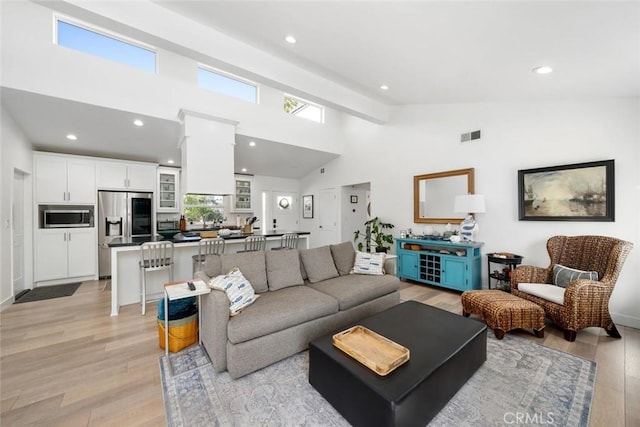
{"x":170,"y":161}
{"x":384,"y":87}
{"x":290,"y":39}
{"x":244,"y":169}
{"x":72,"y":137}
{"x":252,"y":143}
{"x":138,"y":122}
{"x":542,"y":70}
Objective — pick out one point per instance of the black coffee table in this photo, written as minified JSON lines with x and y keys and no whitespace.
{"x":446,"y":350}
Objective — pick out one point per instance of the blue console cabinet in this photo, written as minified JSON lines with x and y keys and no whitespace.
{"x":441,"y":263}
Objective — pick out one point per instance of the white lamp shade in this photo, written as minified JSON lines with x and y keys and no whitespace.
{"x":469,"y":203}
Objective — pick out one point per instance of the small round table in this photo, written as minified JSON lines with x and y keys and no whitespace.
{"x":510,"y":261}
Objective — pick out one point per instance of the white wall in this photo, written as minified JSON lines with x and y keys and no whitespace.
{"x":425,"y":139}
{"x":354,"y":215}
{"x":27,"y":44}
{"x":16,"y":154}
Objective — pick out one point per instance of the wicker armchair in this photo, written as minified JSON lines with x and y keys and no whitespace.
{"x":586,"y":302}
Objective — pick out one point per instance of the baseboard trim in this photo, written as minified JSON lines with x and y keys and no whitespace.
{"x":626,"y":320}
{"x":7,"y":303}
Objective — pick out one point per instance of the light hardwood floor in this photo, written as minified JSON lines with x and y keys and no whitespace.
{"x":67,"y":362}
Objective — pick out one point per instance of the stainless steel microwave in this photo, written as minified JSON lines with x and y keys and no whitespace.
{"x":66,"y":217}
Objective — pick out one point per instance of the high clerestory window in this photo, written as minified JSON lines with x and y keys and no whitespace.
{"x":305,"y":109}
{"x":228,"y":85}
{"x":104,"y":45}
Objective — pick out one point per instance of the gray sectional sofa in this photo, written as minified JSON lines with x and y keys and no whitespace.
{"x":303,"y":294}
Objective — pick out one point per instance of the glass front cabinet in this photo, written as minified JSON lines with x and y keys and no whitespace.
{"x":242,"y":200}
{"x":440,"y":263}
{"x":168,"y":190}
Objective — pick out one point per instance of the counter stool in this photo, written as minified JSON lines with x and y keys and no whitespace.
{"x":288,"y":241}
{"x":207,"y":247}
{"x":154,"y":256}
{"x":254,"y":243}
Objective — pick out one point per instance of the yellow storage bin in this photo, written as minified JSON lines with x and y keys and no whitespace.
{"x":182,"y":333}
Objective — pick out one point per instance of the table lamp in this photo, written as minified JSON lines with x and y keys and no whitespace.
{"x":469,"y":204}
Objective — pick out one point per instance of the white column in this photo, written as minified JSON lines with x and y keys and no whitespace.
{"x":207,"y":154}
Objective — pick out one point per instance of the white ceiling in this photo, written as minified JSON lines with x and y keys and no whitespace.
{"x":425,"y":51}
{"x":445,"y":51}
{"x":104,"y":132}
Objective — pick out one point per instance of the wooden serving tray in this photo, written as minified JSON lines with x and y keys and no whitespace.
{"x":376,"y":352}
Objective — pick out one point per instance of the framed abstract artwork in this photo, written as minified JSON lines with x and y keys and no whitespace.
{"x":575,"y":192}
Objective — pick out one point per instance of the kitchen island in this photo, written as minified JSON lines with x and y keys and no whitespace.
{"x":125,"y":257}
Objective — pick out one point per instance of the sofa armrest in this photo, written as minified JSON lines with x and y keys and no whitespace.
{"x":215,"y":317}
{"x":390,"y":265}
{"x":530,"y":274}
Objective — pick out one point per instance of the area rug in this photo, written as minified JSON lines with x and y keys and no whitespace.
{"x":521,"y":382}
{"x":48,"y":292}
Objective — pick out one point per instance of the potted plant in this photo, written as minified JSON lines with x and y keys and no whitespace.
{"x":375,"y":231}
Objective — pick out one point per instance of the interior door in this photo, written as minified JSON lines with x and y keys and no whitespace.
{"x":17,"y":222}
{"x":328,"y":216}
{"x":284,"y":210}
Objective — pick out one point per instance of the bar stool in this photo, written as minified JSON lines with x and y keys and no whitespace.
{"x":207,"y":247}
{"x":154,"y":256}
{"x":254,"y":243}
{"x":288,"y":241}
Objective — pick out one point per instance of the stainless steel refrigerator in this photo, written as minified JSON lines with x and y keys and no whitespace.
{"x":121,"y":215}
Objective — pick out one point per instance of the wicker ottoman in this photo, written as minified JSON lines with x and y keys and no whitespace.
{"x":503,"y":311}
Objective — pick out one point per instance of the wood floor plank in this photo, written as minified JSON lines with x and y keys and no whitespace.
{"x":67,"y":362}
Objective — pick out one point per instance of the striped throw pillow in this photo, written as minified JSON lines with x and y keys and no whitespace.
{"x":367,"y":263}
{"x":562,"y":275}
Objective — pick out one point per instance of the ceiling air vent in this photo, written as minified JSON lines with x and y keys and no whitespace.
{"x":470,"y":136}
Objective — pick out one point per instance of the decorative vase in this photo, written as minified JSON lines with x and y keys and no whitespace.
{"x":467,"y":228}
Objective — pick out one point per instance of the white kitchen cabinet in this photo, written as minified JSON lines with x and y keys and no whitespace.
{"x":242,"y":199}
{"x":65,"y":252}
{"x":64,"y":179}
{"x":126,"y":176}
{"x":168,"y":190}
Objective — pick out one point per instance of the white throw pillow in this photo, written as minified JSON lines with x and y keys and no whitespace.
{"x":367,"y":263}
{"x":237,"y":287}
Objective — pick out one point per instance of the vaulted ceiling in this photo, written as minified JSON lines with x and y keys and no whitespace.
{"x":424,"y":51}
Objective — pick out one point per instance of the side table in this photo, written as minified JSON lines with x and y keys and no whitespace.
{"x":175,"y":291}
{"x":503,"y":276}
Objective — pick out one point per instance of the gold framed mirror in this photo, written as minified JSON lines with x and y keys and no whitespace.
{"x":434,"y":194}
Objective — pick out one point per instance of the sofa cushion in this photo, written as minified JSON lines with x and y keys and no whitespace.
{"x":356,"y":289}
{"x":366,"y":263}
{"x":275,"y":311}
{"x":212,"y":265}
{"x":238,"y":289}
{"x":318,"y":263}
{"x":283,"y":269}
{"x":545,"y":291}
{"x":562,"y":275}
{"x":251,"y":264}
{"x":343,"y":257}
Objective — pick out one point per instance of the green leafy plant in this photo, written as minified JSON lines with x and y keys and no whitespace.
{"x":374,"y":231}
